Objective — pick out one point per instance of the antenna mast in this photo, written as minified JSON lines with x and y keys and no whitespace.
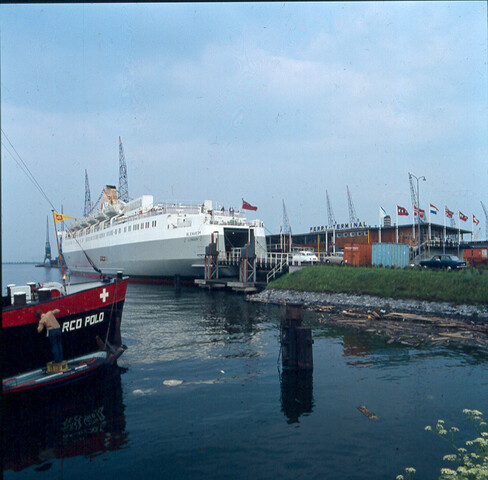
{"x":123,"y":193}
{"x":87,"y":196}
{"x":353,"y":218}
{"x":330,"y":212}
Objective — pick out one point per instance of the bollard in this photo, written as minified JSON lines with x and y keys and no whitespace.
{"x":296,"y":341}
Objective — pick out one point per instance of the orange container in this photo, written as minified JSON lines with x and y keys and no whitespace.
{"x":357,"y":254}
{"x":476,"y":256}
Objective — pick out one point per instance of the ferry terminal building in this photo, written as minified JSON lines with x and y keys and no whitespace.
{"x":329,"y":239}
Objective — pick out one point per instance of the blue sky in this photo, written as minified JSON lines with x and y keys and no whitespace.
{"x":261,"y":101}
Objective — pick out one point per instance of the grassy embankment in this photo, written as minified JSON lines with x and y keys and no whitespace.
{"x":467,"y":286}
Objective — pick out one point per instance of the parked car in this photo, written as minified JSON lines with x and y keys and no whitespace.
{"x":443,"y":261}
{"x":304,"y":256}
{"x":335,"y":259}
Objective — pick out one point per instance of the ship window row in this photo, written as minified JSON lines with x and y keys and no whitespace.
{"x":116,"y":231}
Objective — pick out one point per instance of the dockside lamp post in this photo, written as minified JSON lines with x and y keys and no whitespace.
{"x":418,"y":206}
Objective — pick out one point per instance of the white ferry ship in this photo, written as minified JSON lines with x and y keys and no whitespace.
{"x":151,"y":240}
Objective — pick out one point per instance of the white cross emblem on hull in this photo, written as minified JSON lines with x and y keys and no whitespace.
{"x":104,"y":295}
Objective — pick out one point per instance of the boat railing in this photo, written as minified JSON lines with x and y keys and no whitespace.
{"x":217,"y":217}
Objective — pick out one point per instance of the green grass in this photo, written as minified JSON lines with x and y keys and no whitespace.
{"x":467,"y":286}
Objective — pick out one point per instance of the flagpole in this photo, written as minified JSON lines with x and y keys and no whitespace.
{"x":397,"y":224}
{"x":430,"y":229}
{"x":459,"y":230}
{"x":379,"y":214}
{"x":59,"y":252}
{"x":444,"y":242}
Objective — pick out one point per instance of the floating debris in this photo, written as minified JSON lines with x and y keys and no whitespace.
{"x":411,"y":329}
{"x":172,"y":383}
{"x":368,"y":413}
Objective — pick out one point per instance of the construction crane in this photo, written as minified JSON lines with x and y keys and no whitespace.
{"x":88,"y":205}
{"x":123,"y":184}
{"x":353,"y":218}
{"x":330,"y":212}
{"x":486,"y":219}
{"x":286,"y":223}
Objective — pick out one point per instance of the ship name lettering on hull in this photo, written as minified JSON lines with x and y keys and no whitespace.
{"x":79,"y":323}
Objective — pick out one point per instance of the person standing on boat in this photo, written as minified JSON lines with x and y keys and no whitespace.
{"x":53,"y":328}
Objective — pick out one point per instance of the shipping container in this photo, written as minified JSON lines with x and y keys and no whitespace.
{"x":357,"y":254}
{"x":390,"y":255}
{"x":476,"y":256}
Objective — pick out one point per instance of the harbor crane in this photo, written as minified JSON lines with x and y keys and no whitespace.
{"x":123,"y":183}
{"x":486,"y":218}
{"x":330,"y":212}
{"x":353,"y":218}
{"x":88,"y":204}
{"x":286,"y":222}
{"x":47,"y":255}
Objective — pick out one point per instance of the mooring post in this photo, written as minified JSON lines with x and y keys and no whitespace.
{"x":296,"y":341}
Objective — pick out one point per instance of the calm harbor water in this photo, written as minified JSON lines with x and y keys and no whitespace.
{"x":230,"y":412}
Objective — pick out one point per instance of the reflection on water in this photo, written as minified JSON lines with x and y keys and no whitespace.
{"x":202,"y":399}
{"x":82,"y":419}
{"x":163,"y":325}
{"x":296,"y":393}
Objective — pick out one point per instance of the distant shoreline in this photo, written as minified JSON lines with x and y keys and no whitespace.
{"x":20,"y":263}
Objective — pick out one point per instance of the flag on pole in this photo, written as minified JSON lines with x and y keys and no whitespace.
{"x":59,"y":217}
{"x":475,"y":220}
{"x":248,"y":206}
{"x":418,"y":211}
{"x":462,"y":216}
{"x":402,"y":211}
{"x":382,"y":212}
{"x":433,"y":209}
{"x":449,"y":214}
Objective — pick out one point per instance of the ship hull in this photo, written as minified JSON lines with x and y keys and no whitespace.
{"x":157,"y":255}
{"x":83,"y":316}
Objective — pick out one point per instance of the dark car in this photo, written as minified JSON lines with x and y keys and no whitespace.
{"x":443,"y":261}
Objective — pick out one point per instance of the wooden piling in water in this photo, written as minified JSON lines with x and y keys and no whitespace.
{"x":296,"y":341}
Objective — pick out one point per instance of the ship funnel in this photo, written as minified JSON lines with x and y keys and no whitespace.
{"x":109,"y":196}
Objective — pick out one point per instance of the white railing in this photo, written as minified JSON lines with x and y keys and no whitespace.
{"x":277,"y":269}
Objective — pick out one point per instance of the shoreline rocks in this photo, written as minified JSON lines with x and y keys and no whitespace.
{"x":409,"y":322}
{"x":344,"y":300}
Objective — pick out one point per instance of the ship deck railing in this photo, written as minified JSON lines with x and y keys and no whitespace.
{"x":217,"y":217}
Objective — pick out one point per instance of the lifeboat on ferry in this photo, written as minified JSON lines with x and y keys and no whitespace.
{"x":75,"y":226}
{"x":100,"y":215}
{"x":91,"y":219}
{"x":113,"y":210}
{"x":84,"y":222}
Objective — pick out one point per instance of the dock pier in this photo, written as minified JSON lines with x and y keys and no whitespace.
{"x":254,"y":271}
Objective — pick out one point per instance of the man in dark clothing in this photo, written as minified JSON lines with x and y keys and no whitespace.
{"x":53,"y":328}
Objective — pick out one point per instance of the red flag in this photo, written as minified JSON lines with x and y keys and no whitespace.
{"x":462,"y":216}
{"x":248,"y":206}
{"x":449,"y":214}
{"x":402,"y":211}
{"x":475,"y":220}
{"x":421,"y":212}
